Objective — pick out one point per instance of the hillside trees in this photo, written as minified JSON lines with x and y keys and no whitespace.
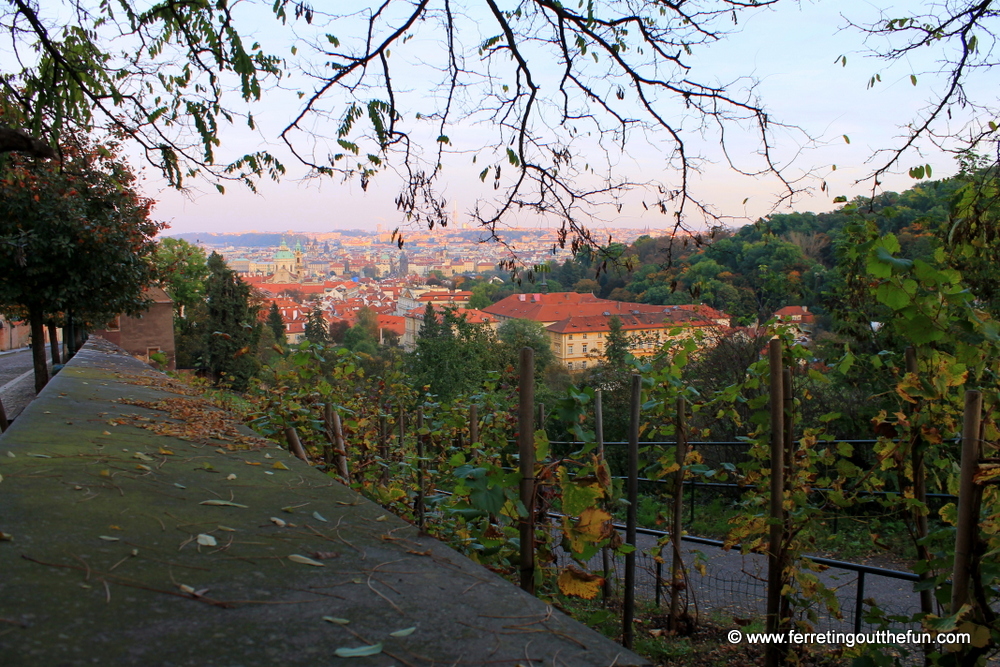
{"x":75,"y":238}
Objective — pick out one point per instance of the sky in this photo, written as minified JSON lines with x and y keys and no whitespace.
{"x":792,"y":52}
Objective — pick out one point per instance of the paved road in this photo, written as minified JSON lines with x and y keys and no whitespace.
{"x":736,"y":585}
{"x":17,"y":382}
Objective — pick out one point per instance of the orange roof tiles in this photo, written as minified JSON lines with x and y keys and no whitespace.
{"x":666,"y":317}
{"x":560,"y":305}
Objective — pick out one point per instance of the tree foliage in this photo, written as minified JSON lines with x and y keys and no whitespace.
{"x":75,"y":238}
{"x":231,"y":331}
{"x":182,"y":269}
{"x":317,"y":331}
{"x":452,"y":355}
{"x":276,"y":324}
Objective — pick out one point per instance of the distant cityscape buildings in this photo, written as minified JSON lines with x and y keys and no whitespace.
{"x":342,"y":273}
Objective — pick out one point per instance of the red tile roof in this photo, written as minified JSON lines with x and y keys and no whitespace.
{"x":560,"y":305}
{"x":472,"y":316}
{"x":788,"y":312}
{"x":666,"y":317}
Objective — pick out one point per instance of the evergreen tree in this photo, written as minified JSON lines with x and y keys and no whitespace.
{"x":232,"y":331}
{"x":616,"y":347}
{"x":317,"y":330}
{"x":276,"y":324}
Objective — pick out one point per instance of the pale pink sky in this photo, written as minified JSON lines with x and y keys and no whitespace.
{"x":791,"y":50}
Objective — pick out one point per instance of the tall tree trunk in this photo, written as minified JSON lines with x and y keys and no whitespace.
{"x":38,"y":347}
{"x":54,"y":342}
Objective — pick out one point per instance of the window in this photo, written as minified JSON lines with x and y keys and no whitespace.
{"x":570,"y":349}
{"x":571,"y":336}
{"x":585,"y":349}
{"x":585,"y":336}
{"x":584,"y":365}
{"x":570,"y":365}
{"x":600,"y":334}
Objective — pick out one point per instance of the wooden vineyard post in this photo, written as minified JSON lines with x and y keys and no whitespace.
{"x":340,"y":446}
{"x":773,"y":651}
{"x":402,"y":425}
{"x":788,"y":433}
{"x":677,"y":564}
{"x":920,"y":495}
{"x":294,"y":444}
{"x":969,"y":496}
{"x":418,"y":502}
{"x":605,"y":551}
{"x":473,"y":425}
{"x":383,"y":447}
{"x":788,"y":446}
{"x":628,"y":614}
{"x":526,"y":451}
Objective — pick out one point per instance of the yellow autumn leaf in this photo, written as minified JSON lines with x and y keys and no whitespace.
{"x":592,"y":521}
{"x":278,"y":465}
{"x":166,"y":452}
{"x":574,"y":581}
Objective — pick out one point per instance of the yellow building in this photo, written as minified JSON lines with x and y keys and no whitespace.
{"x":578,"y":342}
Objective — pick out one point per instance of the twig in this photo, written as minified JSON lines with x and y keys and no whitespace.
{"x":379,"y":593}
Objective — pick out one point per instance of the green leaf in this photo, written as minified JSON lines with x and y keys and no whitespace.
{"x":512,"y":157}
{"x":541,"y":445}
{"x":220,"y":503}
{"x":359,"y":652}
{"x":892,"y":296}
{"x":406,"y":632}
{"x":913,"y":79}
{"x":336,"y":620}
{"x":920,"y":329}
{"x":847,"y":139}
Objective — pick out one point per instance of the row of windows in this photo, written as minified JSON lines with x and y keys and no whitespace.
{"x":583,"y":365}
{"x":600,"y":334}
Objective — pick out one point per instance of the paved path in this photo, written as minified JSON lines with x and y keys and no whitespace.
{"x":735,"y":585}
{"x":132,"y":546}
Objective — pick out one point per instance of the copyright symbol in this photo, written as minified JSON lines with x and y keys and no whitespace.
{"x":735,"y":636}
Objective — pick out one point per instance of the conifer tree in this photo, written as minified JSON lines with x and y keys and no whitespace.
{"x":233,"y":330}
{"x":276,"y":324}
{"x":616,"y":347}
{"x":317,"y":330}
